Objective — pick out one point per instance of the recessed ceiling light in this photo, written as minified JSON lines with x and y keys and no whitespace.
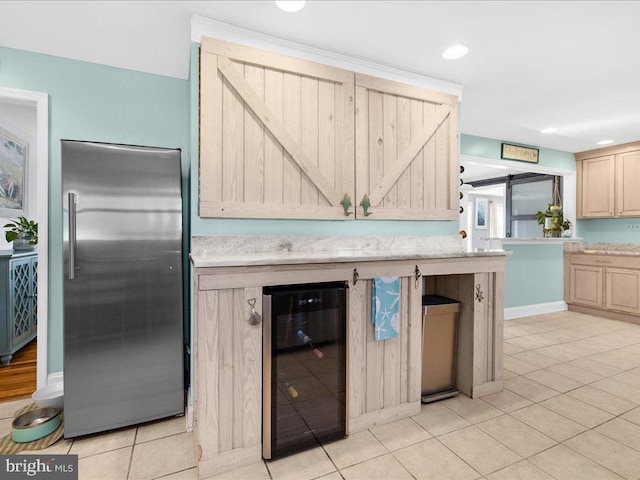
{"x":549,"y":130}
{"x":605,"y":142}
{"x":457,"y":51}
{"x":290,"y":5}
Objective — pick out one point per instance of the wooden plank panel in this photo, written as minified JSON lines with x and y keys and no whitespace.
{"x":443,"y":163}
{"x":252,"y":369}
{"x":404,"y":340}
{"x":480,"y":330}
{"x":405,"y":158}
{"x":498,"y":326}
{"x":291,"y":145}
{"x":357,"y":345}
{"x":390,"y":148}
{"x":292,"y":175}
{"x":454,"y":198}
{"x":415,"y":344}
{"x":275,"y":60}
{"x":309,"y":135}
{"x":233,"y":144}
{"x":405,"y":90}
{"x":273,"y":153}
{"x":207,"y":374}
{"x":403,"y":114}
{"x":225,"y":369}
{"x":429,"y":170}
{"x":345,"y":141}
{"x":327,"y":132}
{"x":375,"y":362}
{"x":418,"y":164}
{"x":210,"y":166}
{"x":391,"y":365}
{"x":254,"y":141}
{"x":464,"y":360}
{"x":376,"y":140}
{"x":238,"y":357}
{"x":362,"y":141}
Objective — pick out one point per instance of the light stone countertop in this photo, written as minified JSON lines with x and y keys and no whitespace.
{"x":252,"y":250}
{"x":604,"y":248}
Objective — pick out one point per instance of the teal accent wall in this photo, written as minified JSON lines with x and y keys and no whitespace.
{"x":291,"y":227}
{"x":97,"y":103}
{"x":534,"y":274}
{"x":490,"y":148}
{"x":608,"y":230}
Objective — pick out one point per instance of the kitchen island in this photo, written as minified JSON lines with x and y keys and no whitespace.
{"x":383,"y":377}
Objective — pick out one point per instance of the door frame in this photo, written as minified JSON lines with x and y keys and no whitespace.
{"x":39,"y":100}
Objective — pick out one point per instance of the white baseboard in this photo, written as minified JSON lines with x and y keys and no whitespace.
{"x":55,"y":377}
{"x":536,"y":309}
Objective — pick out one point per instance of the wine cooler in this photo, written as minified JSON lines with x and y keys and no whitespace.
{"x":304,"y":366}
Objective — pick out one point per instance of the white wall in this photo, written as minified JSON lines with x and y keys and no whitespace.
{"x":21,"y":121}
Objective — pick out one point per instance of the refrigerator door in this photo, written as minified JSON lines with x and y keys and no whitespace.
{"x":123,"y":325}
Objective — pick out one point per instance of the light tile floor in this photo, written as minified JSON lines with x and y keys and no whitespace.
{"x":570,"y":410}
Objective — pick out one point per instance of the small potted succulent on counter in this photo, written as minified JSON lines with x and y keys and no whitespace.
{"x":23,"y":233}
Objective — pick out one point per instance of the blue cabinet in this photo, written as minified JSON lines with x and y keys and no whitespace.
{"x":18,"y":302}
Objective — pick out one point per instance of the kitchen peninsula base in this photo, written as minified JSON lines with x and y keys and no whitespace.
{"x":383,"y":377}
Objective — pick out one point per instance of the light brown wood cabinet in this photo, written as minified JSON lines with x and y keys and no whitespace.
{"x":383,"y":378}
{"x":606,"y":285}
{"x":282,"y":137}
{"x":607,"y":182}
{"x":586,"y":285}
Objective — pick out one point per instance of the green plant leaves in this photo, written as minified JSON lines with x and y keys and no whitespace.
{"x":22,"y":226}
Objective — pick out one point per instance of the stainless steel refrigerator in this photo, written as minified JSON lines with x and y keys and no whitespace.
{"x":123,"y":306}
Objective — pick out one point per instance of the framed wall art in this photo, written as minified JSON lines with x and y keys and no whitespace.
{"x":14,"y":158}
{"x":482,"y":207}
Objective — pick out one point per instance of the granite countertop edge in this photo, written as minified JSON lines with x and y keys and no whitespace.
{"x":604,"y":248}
{"x":299,"y":258}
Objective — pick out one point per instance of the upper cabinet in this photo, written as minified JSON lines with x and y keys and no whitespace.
{"x":406,"y":151}
{"x":276,"y":135}
{"x":607,"y":180}
{"x":628,"y":174}
{"x":282,"y":137}
{"x":598,"y":186}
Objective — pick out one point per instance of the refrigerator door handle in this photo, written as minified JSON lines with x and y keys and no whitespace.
{"x":73,"y":201}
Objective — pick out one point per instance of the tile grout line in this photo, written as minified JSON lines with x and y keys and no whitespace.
{"x":133,"y":447}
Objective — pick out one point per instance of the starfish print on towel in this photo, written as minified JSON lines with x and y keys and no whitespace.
{"x":380,"y":329}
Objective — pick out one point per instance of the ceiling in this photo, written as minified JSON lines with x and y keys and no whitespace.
{"x":531,"y":65}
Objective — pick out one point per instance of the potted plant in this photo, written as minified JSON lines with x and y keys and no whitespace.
{"x":551,"y":220}
{"x":23,"y":233}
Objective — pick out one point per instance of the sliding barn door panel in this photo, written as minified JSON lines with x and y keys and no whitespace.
{"x":406,"y":151}
{"x":276,"y":135}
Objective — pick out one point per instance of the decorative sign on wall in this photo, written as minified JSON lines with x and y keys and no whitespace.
{"x":522,"y":154}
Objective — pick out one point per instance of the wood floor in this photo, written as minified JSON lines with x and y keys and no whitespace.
{"x":19,"y":378}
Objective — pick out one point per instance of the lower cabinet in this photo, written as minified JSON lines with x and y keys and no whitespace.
{"x":612,"y":289}
{"x":383,"y":377}
{"x":623,"y":290}
{"x":18,"y":303}
{"x":586,"y":285}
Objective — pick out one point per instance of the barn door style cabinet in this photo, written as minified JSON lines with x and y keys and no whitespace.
{"x":18,"y":302}
{"x":607,"y":182}
{"x":282,"y":137}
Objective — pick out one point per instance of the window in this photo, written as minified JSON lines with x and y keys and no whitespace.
{"x":526,"y":194}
